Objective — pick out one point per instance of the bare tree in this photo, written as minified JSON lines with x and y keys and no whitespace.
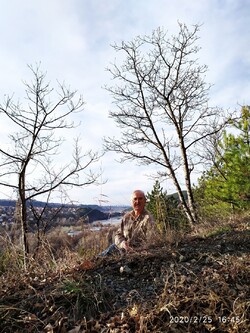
{"x":162,"y":102}
{"x":28,"y":164}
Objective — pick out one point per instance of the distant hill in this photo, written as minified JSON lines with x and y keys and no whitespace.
{"x":176,"y":196}
{"x":12,"y":203}
{"x":7,"y":203}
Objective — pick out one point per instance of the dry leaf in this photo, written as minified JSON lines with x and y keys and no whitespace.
{"x":49,"y":328}
{"x":75,"y":329}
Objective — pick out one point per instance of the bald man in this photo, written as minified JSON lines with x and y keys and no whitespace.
{"x":137,"y":226}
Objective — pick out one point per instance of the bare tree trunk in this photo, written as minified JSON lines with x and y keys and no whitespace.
{"x":162,"y":101}
{"x":24,"y":234}
{"x":191,"y":212}
{"x":33,"y":145}
{"x":23,"y":216}
{"x":184,"y":204}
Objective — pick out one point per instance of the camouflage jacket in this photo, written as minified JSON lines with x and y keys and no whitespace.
{"x":137,"y":231}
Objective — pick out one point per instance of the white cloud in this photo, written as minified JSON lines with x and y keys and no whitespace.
{"x":72,"y":40}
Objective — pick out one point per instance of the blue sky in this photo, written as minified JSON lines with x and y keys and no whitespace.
{"x":72,"y":40}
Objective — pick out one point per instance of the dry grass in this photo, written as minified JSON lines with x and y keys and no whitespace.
{"x":208,"y":226}
{"x":188,"y":283}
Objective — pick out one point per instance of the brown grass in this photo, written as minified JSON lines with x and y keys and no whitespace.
{"x":200,"y":283}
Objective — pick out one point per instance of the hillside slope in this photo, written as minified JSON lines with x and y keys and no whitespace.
{"x":198,"y":285}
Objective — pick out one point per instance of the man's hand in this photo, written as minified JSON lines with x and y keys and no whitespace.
{"x":126,"y":247}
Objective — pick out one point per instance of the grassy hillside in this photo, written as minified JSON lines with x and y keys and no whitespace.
{"x":193,"y":283}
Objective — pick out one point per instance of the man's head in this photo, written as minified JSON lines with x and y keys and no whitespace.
{"x":138,"y":200}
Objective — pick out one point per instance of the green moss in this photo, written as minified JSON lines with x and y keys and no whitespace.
{"x":219,"y":231}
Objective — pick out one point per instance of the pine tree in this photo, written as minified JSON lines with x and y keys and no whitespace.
{"x":228,"y":181}
{"x":165,"y":209}
{"x":156,"y":205}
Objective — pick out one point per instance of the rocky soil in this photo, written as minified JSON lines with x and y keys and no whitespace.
{"x":198,"y":285}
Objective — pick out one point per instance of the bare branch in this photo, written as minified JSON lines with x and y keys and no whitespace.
{"x":162,"y":105}
{"x":34,"y":146}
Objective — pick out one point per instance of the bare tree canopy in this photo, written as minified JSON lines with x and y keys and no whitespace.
{"x":29,"y":163}
{"x":35,"y":146}
{"x":162,"y":106}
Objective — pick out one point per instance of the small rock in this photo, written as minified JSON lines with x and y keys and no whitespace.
{"x":125,"y":269}
{"x":181,"y":258}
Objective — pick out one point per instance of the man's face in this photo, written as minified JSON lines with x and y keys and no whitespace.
{"x":138,"y":201}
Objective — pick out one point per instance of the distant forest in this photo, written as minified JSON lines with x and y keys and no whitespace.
{"x":12,"y":203}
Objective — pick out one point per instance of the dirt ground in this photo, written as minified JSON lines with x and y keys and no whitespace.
{"x":200,"y":284}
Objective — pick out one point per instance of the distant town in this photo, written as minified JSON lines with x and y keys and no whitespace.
{"x":58,"y":214}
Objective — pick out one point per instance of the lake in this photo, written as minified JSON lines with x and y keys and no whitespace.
{"x":96,"y":225}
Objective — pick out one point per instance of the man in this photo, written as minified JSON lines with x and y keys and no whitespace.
{"x":136,"y":229}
